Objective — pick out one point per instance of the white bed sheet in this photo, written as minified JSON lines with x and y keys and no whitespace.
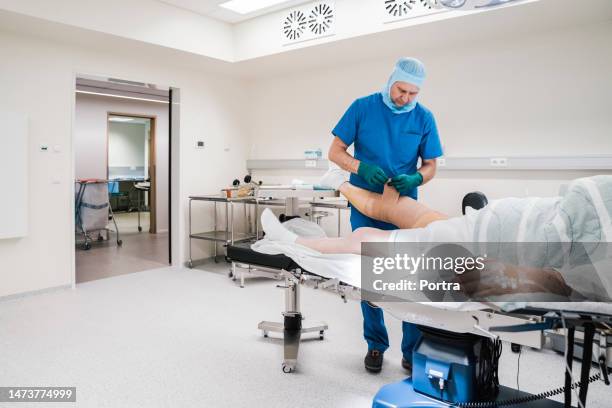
{"x":347,"y":269}
{"x":344,"y":267}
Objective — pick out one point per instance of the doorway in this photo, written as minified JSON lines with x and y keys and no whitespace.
{"x":122,"y":140}
{"x":132,"y":159}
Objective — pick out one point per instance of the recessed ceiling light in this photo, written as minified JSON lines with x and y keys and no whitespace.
{"x":249,"y":6}
{"x":119,"y":96}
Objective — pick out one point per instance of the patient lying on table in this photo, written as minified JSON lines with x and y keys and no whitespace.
{"x":582,"y":214}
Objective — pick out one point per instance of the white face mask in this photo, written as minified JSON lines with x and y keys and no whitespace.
{"x":386,"y":94}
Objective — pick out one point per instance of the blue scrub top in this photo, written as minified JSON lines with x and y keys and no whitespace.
{"x":392,"y":141}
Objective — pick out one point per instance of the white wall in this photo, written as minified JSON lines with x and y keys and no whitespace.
{"x":37,"y":77}
{"x":159,"y":23}
{"x":262,"y":36}
{"x":546,"y":94}
{"x":90,"y":127}
{"x":91,"y":113}
{"x":149,"y":21}
{"x":126,"y":144}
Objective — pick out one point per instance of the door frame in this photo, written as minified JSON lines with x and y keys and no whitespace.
{"x":152,"y":162}
{"x":176,"y":211}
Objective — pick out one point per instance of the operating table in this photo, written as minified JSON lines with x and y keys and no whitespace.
{"x":524,"y":326}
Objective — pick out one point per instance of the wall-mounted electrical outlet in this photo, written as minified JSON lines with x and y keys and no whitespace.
{"x":499,"y":162}
{"x":199,"y":144}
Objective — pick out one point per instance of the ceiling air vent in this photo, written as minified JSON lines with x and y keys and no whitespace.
{"x":396,"y":10}
{"x":321,"y":18}
{"x":431,"y":4}
{"x":294,"y":25}
{"x":309,"y":22}
{"x":399,"y":8}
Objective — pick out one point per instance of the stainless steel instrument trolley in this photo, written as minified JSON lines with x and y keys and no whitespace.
{"x":226,"y":236}
{"x":288,"y":197}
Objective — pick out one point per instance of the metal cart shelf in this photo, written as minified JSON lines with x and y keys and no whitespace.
{"x":266,"y":196}
{"x":222,"y":236}
{"x":227,"y":236}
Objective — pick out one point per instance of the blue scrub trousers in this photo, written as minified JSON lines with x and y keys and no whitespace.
{"x":374,"y":329}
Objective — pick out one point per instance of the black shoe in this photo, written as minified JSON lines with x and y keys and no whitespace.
{"x":407,"y":365}
{"x":373,"y":361}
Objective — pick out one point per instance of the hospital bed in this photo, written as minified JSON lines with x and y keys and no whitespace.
{"x":435,"y":381}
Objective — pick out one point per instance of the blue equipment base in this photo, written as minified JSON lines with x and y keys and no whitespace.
{"x":402,"y":395}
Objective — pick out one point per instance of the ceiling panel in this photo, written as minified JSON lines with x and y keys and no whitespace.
{"x":210,"y":8}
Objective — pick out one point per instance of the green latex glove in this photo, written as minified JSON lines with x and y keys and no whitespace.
{"x":406,"y":182}
{"x":372,"y":174}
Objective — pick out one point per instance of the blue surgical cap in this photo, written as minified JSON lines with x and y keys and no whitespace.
{"x":409,"y":70}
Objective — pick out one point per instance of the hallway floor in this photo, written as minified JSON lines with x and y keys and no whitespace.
{"x":140,"y":251}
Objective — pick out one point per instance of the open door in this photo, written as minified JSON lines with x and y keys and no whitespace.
{"x":136,"y":168}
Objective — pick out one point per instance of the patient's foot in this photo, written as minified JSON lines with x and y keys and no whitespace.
{"x":334,"y":178}
{"x":274,"y":229}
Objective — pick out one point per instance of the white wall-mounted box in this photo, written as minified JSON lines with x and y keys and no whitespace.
{"x":13,"y":175}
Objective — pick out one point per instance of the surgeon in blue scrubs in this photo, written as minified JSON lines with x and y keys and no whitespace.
{"x":390,"y":131}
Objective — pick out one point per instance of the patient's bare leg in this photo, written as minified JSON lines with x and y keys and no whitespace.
{"x":350,"y":244}
{"x":275,"y":231}
{"x":403,"y":212}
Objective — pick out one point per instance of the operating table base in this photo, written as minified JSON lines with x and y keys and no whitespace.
{"x":291,"y":339}
{"x":292,"y":327}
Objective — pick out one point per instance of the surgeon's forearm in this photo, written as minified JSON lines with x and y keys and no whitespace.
{"x":339,"y":155}
{"x":428,"y":170}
